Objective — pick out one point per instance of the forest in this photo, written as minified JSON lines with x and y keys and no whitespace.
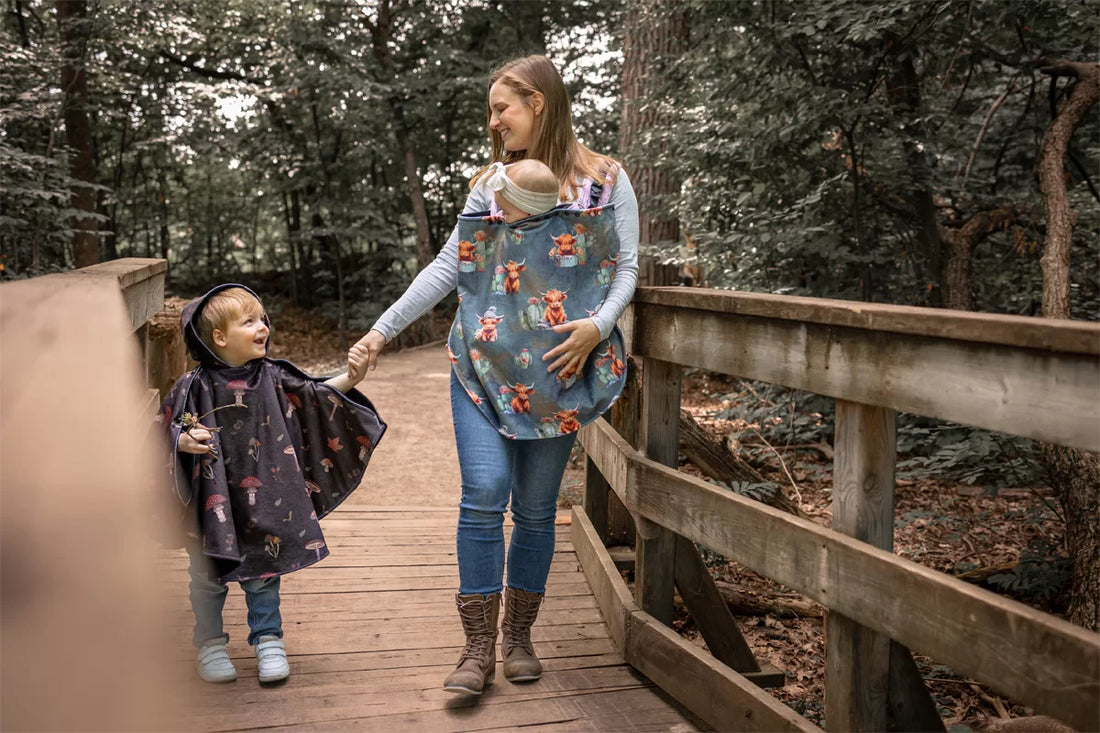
{"x":941,"y":153}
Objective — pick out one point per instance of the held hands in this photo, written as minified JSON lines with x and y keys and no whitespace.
{"x":364,"y":355}
{"x":196,"y":441}
{"x":572,"y":353}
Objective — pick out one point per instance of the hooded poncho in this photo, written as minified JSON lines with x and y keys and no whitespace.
{"x":289,"y":450}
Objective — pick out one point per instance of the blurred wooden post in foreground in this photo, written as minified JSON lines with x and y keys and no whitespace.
{"x":78,"y":613}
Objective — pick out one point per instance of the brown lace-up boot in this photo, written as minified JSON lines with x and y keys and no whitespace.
{"x":520,"y":609}
{"x":477,"y":665}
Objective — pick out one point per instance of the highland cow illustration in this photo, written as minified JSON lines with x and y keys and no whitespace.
{"x":511,"y":283}
{"x":565,"y":251}
{"x":489,"y":322}
{"x":555,"y":312}
{"x":567,"y":421}
{"x":521,"y":403}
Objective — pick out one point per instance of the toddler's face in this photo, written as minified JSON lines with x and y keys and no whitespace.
{"x":510,"y":211}
{"x":244,"y":339}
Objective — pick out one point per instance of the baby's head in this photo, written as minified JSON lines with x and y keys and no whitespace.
{"x":531,"y":188}
{"x":233,"y":324}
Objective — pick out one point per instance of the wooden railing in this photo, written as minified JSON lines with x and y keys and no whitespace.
{"x":1031,"y":377}
{"x":80,"y":613}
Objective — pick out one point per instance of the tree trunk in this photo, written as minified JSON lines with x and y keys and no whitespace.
{"x":655,"y":34}
{"x":903,"y":90}
{"x":72,"y":22}
{"x":1075,"y":474}
{"x":958,"y":265}
{"x":380,"y":34}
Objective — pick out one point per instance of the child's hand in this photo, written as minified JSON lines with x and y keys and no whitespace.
{"x":364,"y":355}
{"x":196,"y":441}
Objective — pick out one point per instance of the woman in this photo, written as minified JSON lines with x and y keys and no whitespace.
{"x":514,"y":439}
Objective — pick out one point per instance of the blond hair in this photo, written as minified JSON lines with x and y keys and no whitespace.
{"x":224,"y":307}
{"x":552,"y":139}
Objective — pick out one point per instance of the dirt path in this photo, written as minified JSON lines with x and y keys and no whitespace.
{"x":416,"y":464}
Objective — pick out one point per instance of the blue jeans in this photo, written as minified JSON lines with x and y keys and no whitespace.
{"x":495,"y":470}
{"x":208,"y":599}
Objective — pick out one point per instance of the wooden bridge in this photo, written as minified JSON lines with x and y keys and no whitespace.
{"x":94,"y":620}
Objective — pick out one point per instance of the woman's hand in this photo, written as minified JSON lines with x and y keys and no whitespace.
{"x":364,"y":355}
{"x":195,"y":441}
{"x":572,"y":353}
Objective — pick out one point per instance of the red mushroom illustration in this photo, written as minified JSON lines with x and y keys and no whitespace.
{"x":312,"y":488}
{"x":289,"y":450}
{"x":292,"y":404}
{"x":336,"y":402}
{"x":335,"y":445}
{"x":266,"y":576}
{"x":252,"y":484}
{"x":316,"y":546}
{"x":365,"y":446}
{"x":214,"y":503}
{"x":271,"y":545}
{"x":327,"y":464}
{"x":238,"y":386}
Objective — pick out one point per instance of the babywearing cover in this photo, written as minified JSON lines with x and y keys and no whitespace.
{"x":515,"y":283}
{"x":290,"y":449}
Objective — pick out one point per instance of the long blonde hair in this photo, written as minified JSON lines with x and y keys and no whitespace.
{"x":552,"y":138}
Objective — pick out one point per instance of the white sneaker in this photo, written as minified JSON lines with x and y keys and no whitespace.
{"x":271,"y":655}
{"x":214,"y":662}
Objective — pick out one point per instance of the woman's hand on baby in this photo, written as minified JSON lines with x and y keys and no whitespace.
{"x":364,"y":355}
{"x":571,"y":354}
{"x":196,"y":441}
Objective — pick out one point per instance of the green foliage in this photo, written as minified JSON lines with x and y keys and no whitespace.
{"x":241,"y":138}
{"x":818,"y":141}
{"x":764,"y":491}
{"x":1041,"y":574}
{"x":782,"y":416}
{"x":966,"y":455}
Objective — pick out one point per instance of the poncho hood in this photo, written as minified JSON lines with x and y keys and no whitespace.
{"x":191,"y":325}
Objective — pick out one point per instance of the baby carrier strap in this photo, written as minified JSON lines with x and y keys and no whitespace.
{"x":599,"y":192}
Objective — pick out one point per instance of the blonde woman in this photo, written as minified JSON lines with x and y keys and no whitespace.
{"x":532,"y":361}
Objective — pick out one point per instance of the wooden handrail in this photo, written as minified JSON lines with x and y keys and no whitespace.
{"x":1076,"y":337}
{"x":140,"y":280}
{"x":972,"y":376}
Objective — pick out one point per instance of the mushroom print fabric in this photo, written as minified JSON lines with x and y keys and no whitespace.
{"x":289,"y":450}
{"x":515,"y":283}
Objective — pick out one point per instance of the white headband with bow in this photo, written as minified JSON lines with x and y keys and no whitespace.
{"x":531,"y":202}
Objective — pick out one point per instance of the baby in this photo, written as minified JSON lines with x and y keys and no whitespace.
{"x":524,"y":188}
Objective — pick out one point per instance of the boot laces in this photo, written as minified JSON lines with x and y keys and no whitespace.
{"x":517,"y":624}
{"x":476,"y":617}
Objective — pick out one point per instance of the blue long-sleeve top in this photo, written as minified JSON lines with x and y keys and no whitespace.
{"x":441,"y":275}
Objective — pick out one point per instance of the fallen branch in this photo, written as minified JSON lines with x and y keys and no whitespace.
{"x":787,"y":606}
{"x":717,"y":462}
{"x":980,"y":575}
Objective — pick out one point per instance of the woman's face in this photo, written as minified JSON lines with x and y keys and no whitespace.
{"x":512,"y":117}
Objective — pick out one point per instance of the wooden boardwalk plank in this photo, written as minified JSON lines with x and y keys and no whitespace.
{"x":371,"y":631}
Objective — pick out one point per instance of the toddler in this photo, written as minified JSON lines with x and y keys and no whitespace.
{"x":261,"y":452}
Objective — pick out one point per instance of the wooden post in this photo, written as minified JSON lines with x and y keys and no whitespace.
{"x":596,"y":494}
{"x":625,"y":418}
{"x":857,"y":660}
{"x":655,"y":559}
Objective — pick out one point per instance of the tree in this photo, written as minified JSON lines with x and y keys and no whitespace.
{"x":1075,"y":473}
{"x":72,"y":22}
{"x":654,"y":36}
